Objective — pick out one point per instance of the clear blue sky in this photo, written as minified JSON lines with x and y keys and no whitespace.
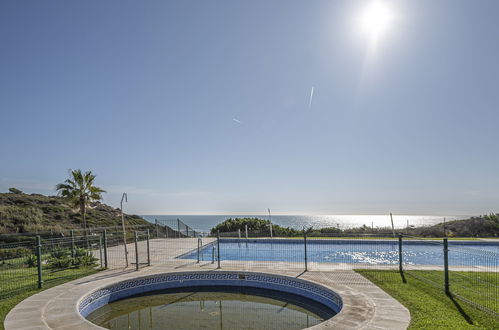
{"x":203,"y":106}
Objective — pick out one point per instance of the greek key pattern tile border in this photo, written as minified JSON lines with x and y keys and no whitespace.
{"x":151,"y":283}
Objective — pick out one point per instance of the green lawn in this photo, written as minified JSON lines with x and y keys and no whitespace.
{"x":359,"y":236}
{"x":430,"y":308}
{"x":20,"y":283}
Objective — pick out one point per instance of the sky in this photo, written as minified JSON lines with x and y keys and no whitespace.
{"x":233,"y":107}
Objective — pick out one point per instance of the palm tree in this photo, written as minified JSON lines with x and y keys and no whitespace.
{"x":79,"y":190}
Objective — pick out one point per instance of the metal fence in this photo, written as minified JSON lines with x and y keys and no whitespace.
{"x":29,"y":265}
{"x":464,"y":272}
{"x":319,"y":251}
{"x":26,"y":266}
{"x":175,"y":228}
{"x":470,"y":274}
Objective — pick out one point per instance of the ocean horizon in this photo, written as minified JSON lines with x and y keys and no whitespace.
{"x":206,"y":222}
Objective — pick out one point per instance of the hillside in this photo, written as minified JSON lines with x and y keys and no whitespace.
{"x":483,"y":226}
{"x":486,"y":226}
{"x":23,"y":213}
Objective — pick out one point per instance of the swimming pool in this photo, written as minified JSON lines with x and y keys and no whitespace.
{"x":350,"y":251}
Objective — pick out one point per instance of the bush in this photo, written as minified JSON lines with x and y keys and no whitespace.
{"x":61,"y":258}
{"x":60,"y":253}
{"x":83,"y":257}
{"x":254,"y":225}
{"x":60,"y":263}
{"x":492,"y":217}
{"x":85,"y":261}
{"x":31,"y":261}
{"x":14,"y":253}
{"x":15,"y":191}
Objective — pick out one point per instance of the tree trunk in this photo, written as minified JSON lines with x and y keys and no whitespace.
{"x":83,"y":218}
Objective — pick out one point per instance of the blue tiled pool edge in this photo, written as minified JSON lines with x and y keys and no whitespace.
{"x":108,"y":294}
{"x":312,"y":241}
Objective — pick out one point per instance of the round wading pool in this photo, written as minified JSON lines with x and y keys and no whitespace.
{"x":211,"y":300}
{"x":212,"y":308}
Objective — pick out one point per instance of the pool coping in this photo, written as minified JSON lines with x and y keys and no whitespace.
{"x":192,"y":279}
{"x":365,"y":306}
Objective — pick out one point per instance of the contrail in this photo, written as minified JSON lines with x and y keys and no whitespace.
{"x":237,"y":120}
{"x":311,"y":97}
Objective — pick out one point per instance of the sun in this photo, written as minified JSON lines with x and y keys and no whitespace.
{"x":376,"y":19}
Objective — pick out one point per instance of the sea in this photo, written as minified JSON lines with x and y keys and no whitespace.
{"x":204,"y":223}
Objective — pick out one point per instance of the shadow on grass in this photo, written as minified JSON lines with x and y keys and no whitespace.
{"x":404,"y":280}
{"x":461,"y":310}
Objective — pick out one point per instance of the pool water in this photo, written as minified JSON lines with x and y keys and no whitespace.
{"x":211,"y":308}
{"x":350,"y":251}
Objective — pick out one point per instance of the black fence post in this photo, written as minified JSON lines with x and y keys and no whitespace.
{"x":305,"y":243}
{"x":105,"y":249}
{"x":148,"y":250}
{"x":100,"y":252}
{"x":136,"y":252}
{"x":199,"y":248}
{"x":86,"y":239}
{"x":71,"y":233}
{"x":401,"y":270}
{"x":446,"y":267}
{"x":218,"y":248}
{"x":39,"y":261}
{"x":178,"y":227}
{"x":52,"y":238}
{"x":157,"y":229}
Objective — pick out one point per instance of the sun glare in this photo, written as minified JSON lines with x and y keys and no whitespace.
{"x":376,"y":19}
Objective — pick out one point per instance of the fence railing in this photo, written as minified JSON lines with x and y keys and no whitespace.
{"x":470,"y":274}
{"x":468,"y":271}
{"x":30,"y":265}
{"x":175,"y":228}
{"x":465,"y":270}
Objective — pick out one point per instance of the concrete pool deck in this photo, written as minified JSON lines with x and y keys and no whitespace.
{"x":365,"y":306}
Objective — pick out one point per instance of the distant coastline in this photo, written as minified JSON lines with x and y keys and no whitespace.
{"x":206,"y":222}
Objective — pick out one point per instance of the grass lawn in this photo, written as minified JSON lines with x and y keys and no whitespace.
{"x":430,"y":308}
{"x":359,"y":236}
{"x":18,"y":284}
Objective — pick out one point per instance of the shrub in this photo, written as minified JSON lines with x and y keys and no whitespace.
{"x":85,"y":261}
{"x":60,"y":253}
{"x":492,"y":217}
{"x":15,"y":191}
{"x":60,"y":263}
{"x":31,"y":261}
{"x":254,"y":225}
{"x":14,"y":253}
{"x":61,"y":258}
{"x":84,"y":258}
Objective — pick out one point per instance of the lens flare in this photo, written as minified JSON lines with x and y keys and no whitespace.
{"x":376,"y":19}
